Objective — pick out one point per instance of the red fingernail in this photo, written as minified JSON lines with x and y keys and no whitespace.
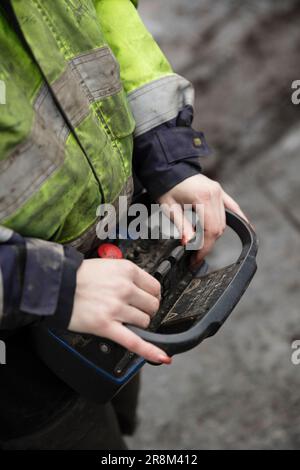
{"x":185,"y":240}
{"x":165,"y":359}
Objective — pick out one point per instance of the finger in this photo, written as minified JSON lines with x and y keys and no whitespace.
{"x":212,"y":230}
{"x":222,"y":216}
{"x":213,"y":219}
{"x":148,"y":283}
{"x":134,"y":316}
{"x":212,"y":216}
{"x":129,"y":340}
{"x":175,"y":213}
{"x":219,"y":215}
{"x":143,"y":301}
{"x":233,"y":206}
{"x":198,"y":257}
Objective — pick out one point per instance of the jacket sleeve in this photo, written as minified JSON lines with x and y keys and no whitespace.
{"x":157,"y":97}
{"x":37,"y":281}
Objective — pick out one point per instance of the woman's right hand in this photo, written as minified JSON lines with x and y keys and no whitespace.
{"x":110,"y":293}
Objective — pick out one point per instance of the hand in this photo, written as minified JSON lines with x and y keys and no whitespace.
{"x":112,"y":292}
{"x":199,"y":189}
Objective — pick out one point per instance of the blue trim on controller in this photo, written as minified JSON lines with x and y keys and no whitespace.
{"x":130,"y":373}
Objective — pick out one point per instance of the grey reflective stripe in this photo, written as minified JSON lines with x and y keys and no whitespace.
{"x":48,"y":112}
{"x":35,"y":159}
{"x":70,"y":96}
{"x":98,"y":72}
{"x":1,"y":297}
{"x":159,"y":101}
{"x":5,"y":234}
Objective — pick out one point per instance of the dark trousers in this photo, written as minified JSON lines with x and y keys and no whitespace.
{"x":86,"y":426}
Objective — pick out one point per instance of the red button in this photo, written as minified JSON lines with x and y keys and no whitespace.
{"x":109,"y":250}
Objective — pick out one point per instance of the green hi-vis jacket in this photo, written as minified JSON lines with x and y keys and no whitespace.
{"x":80,"y":78}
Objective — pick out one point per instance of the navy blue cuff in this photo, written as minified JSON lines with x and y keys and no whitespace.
{"x":169,"y":153}
{"x":42,"y":277}
{"x":62,"y":315}
{"x":37,"y":281}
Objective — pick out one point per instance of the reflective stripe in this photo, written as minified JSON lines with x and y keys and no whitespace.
{"x":5,"y":234}
{"x":159,"y":101}
{"x":47,"y":110}
{"x":70,"y":96}
{"x":33,"y":161}
{"x":89,"y":77}
{"x":99,"y":73}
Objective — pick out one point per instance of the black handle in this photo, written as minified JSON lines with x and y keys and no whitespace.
{"x":215,"y":317}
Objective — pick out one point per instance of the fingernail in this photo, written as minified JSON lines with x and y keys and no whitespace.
{"x":165,"y":359}
{"x":185,"y":240}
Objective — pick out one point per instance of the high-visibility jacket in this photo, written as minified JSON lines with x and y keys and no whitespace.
{"x":80,"y":77}
{"x":79,"y":81}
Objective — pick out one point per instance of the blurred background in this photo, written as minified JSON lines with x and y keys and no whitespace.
{"x":239,"y":389}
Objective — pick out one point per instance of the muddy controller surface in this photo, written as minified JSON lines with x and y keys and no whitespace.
{"x":194,"y":305}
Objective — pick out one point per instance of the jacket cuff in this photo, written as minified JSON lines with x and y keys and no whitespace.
{"x":62,"y":316}
{"x":37,"y":281}
{"x":159,"y":101}
{"x":168,"y":154}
